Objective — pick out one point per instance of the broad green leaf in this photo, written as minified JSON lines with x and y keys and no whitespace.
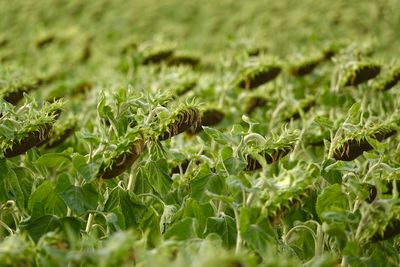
{"x":3,"y":192}
{"x":354,"y":112}
{"x":380,"y":147}
{"x":7,"y":129}
{"x":237,"y":129}
{"x":332,"y":176}
{"x":80,"y":199}
{"x":331,"y":199}
{"x":226,"y":199}
{"x":341,"y":166}
{"x":127,"y":209}
{"x":87,"y":170}
{"x":14,"y":184}
{"x":225,"y":227}
{"x":352,"y":248}
{"x":14,"y":187}
{"x":226,"y":152}
{"x":237,"y":185}
{"x":44,"y":200}
{"x":37,"y":227}
{"x":232,"y":164}
{"x":179,"y":157}
{"x":204,"y":181}
{"x":372,"y":155}
{"x":182,"y":230}
{"x":4,"y":169}
{"x":52,"y":160}
{"x":87,"y":135}
{"x":150,"y":224}
{"x":63,"y":182}
{"x":216,"y":135}
{"x":72,"y":227}
{"x":257,"y":238}
{"x":101,"y":106}
{"x":142,"y":184}
{"x":198,"y":211}
{"x":157,"y":175}
{"x":258,"y":235}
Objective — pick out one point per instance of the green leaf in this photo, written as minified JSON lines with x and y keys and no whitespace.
{"x":226,"y":199}
{"x":182,"y":230}
{"x":127,"y":209}
{"x":52,"y":160}
{"x":198,"y":211}
{"x":324,"y":122}
{"x":14,"y":187}
{"x":216,"y":135}
{"x":232,"y":164}
{"x":46,"y":201}
{"x":63,"y":182}
{"x":255,"y":235}
{"x":80,"y":199}
{"x":150,"y":224}
{"x":87,"y":170}
{"x":331,"y":199}
{"x":37,"y":227}
{"x":72,"y":226}
{"x":333,"y":177}
{"x":158,"y":177}
{"x":204,"y":181}
{"x":3,"y":169}
{"x":341,"y":166}
{"x":351,"y":249}
{"x":85,"y":134}
{"x":354,"y":112}
{"x":371,"y":155}
{"x":223,"y":226}
{"x":7,"y":129}
{"x":380,"y":147}
{"x":102,"y":106}
{"x":237,"y":129}
{"x":142,"y":184}
{"x":257,"y":238}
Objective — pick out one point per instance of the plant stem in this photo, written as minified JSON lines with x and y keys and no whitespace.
{"x":238,"y":236}
{"x":89,"y":222}
{"x":344,"y":261}
{"x":130,"y":182}
{"x":221,"y":206}
{"x":319,"y":244}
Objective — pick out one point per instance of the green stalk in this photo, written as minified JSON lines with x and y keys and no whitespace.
{"x":89,"y":223}
{"x":69,"y":212}
{"x":238,"y":236}
{"x":319,"y":244}
{"x":130,"y":181}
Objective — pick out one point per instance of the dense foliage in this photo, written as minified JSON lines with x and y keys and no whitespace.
{"x":238,"y":133}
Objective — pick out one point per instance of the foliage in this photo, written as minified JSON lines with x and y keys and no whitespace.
{"x":189,"y":134}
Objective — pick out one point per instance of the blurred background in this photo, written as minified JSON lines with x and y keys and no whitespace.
{"x":205,"y":26}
